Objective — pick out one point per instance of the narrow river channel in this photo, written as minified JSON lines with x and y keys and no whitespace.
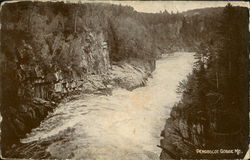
{"x":123,"y":126}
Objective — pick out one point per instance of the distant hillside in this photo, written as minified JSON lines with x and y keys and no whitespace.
{"x":213,"y":11}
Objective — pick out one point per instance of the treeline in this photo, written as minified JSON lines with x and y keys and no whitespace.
{"x":129,"y":34}
{"x":37,"y":23}
{"x":215,"y":96}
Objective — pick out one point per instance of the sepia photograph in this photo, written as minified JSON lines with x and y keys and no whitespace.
{"x":124,"y":80}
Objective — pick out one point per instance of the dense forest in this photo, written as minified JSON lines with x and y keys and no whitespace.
{"x":59,"y":48}
{"x":213,"y":108}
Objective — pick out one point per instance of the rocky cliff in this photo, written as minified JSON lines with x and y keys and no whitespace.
{"x":185,"y":138}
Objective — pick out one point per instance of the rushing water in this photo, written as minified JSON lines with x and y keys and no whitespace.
{"x":124,"y":126}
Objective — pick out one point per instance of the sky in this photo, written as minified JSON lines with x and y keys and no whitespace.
{"x":180,"y":6}
{"x":170,"y":6}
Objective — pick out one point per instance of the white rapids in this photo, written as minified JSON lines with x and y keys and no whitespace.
{"x":124,"y":126}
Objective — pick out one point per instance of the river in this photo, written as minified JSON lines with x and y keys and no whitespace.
{"x":125,"y":125}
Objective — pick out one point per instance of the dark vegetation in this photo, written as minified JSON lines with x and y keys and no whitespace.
{"x":214,"y":103}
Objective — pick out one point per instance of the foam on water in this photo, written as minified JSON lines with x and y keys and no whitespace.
{"x":124,"y":126}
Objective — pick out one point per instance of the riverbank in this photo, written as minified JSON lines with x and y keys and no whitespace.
{"x":122,"y":75}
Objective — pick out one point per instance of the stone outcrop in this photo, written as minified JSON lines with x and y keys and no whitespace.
{"x":183,"y":138}
{"x":180,"y":139}
{"x":39,"y":90}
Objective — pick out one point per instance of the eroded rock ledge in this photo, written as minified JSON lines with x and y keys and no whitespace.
{"x":121,"y":75}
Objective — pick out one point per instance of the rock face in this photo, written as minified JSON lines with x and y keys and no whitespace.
{"x":185,"y":139}
{"x":36,"y":89}
{"x":180,"y":139}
